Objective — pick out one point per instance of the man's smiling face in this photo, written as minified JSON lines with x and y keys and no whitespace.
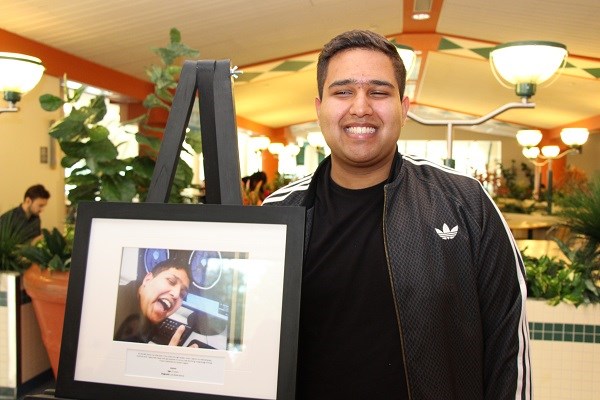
{"x":361,"y":112}
{"x":161,"y":295}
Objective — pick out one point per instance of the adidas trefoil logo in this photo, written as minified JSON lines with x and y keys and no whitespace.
{"x":447,"y":233}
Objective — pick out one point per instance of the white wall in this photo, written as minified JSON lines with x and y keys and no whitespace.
{"x":22,"y":134}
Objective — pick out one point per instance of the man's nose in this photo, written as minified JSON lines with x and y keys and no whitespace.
{"x":361,"y":105}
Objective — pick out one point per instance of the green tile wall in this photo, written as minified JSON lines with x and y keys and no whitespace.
{"x":576,"y":333}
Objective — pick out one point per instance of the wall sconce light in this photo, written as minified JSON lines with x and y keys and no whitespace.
{"x":524,"y":64}
{"x":574,"y":138}
{"x":18,"y":75}
{"x":527,"y":64}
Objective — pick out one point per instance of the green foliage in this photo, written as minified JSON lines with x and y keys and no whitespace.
{"x":53,"y":252}
{"x":98,"y":175}
{"x":11,"y":239}
{"x":557,"y":281}
{"x":581,"y":211}
{"x":578,"y":280}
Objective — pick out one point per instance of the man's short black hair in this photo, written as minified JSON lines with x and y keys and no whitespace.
{"x":172,"y":263}
{"x":36,"y":192}
{"x":360,"y":39}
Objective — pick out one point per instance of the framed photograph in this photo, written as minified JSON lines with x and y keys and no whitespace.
{"x":182,"y":301}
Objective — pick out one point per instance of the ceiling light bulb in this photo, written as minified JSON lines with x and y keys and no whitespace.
{"x":421,"y":16}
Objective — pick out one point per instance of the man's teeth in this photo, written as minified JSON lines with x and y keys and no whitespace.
{"x":360,"y":130}
{"x":166,"y":304}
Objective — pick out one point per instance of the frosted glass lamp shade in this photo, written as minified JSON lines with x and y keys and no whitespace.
{"x":19,"y":73}
{"x":527,"y":64}
{"x":550,"y":151}
{"x":531,"y":152}
{"x":574,"y":137}
{"x":529,"y":137}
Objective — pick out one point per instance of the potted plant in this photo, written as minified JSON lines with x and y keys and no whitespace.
{"x":23,"y":356}
{"x":46,"y":282}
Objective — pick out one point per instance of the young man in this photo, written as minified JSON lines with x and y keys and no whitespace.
{"x":412,"y":286}
{"x":26,"y":217}
{"x":143,"y":305}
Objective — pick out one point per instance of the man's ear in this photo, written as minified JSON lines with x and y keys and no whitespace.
{"x":147,"y":278}
{"x":405,"y":107}
{"x":317,"y":106}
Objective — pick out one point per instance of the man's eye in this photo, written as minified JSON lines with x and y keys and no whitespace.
{"x":378,"y":93}
{"x":342,"y":92}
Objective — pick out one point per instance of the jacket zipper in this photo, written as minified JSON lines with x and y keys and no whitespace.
{"x":396,"y":303}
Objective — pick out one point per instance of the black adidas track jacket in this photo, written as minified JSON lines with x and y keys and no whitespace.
{"x":458,"y":282}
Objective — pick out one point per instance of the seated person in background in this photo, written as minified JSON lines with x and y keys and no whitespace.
{"x":143,"y":305}
{"x":25,"y":218}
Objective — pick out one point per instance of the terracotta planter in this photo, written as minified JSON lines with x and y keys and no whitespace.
{"x":48,"y":292}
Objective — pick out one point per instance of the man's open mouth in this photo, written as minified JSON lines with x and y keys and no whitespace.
{"x":166,"y":304}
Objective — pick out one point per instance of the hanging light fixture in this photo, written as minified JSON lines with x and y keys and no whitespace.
{"x":527,"y":64}
{"x":524,"y":64}
{"x":19,"y":74}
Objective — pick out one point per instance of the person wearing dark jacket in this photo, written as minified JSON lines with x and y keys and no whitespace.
{"x":25,"y":218}
{"x":412,"y":287}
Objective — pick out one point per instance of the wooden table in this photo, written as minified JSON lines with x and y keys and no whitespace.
{"x":531,"y":225}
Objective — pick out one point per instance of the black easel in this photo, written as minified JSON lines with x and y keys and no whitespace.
{"x":212,"y":81}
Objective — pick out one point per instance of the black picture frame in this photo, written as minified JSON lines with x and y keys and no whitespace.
{"x":91,"y":363}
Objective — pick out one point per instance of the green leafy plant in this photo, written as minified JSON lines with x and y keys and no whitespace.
{"x":53,"y":252}
{"x":576,"y":280}
{"x":581,"y":211}
{"x":97,"y":173}
{"x":558,"y":281}
{"x":11,"y":239}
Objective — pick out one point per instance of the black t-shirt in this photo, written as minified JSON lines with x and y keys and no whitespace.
{"x":349,"y":345}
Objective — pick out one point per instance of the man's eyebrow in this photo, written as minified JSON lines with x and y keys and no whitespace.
{"x":375,"y":82}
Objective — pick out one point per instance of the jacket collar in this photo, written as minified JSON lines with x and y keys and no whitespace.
{"x":324,"y":169}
